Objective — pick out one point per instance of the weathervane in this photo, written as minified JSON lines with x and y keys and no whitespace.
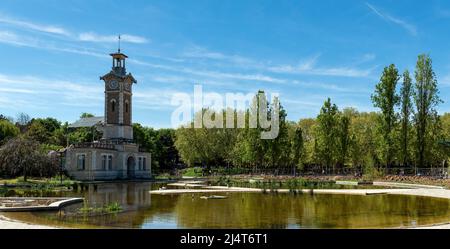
{"x":119,"y":43}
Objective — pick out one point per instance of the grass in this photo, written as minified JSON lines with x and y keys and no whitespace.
{"x":111,"y":208}
{"x":192,"y":172}
{"x":165,"y":176}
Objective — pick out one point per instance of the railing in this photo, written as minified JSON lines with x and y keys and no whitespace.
{"x":104,"y":146}
{"x":117,"y":141}
{"x":323,"y":171}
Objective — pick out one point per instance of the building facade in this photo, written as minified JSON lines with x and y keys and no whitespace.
{"x":115,"y":155}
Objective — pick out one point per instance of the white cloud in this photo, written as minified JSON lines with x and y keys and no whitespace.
{"x":211,"y":74}
{"x":309,"y":68}
{"x":93,"y":37}
{"x":203,"y":53}
{"x":11,"y":38}
{"x":50,"y":89}
{"x":34,"y":26}
{"x":330,"y":87}
{"x":445,"y":81}
{"x":84,"y":36}
{"x":409,"y":27}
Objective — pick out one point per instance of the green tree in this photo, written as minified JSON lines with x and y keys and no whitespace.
{"x":386,"y":99}
{"x":278,"y":148}
{"x":426,"y":98}
{"x":25,"y":157}
{"x":344,"y":139}
{"x":7,"y":130}
{"x":406,"y":110}
{"x":297,"y":147}
{"x":86,"y":115}
{"x":38,"y":132}
{"x":327,"y":133}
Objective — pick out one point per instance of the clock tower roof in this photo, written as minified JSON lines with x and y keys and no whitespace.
{"x":118,"y":68}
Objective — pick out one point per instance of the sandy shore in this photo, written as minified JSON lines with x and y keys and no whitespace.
{"x":6,"y":223}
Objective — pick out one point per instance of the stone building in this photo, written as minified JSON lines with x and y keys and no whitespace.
{"x":115,"y":155}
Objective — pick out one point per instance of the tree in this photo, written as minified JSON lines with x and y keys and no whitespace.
{"x":364,"y":138}
{"x":326,"y":134}
{"x":297,"y":147}
{"x":7,"y":130}
{"x":37,"y":132}
{"x":426,"y":98}
{"x":406,"y":110}
{"x":166,"y":142}
{"x":22,"y":121}
{"x":21,"y":156}
{"x":86,"y":115}
{"x":309,"y":129}
{"x":344,"y":139}
{"x":278,"y":148}
{"x":386,"y":99}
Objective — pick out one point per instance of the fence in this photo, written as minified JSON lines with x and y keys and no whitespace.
{"x":441,"y":172}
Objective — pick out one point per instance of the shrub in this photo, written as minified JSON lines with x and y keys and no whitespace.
{"x":24,"y":157}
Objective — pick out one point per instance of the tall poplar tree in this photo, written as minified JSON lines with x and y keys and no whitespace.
{"x":426,"y":98}
{"x":386,"y":99}
{"x":406,"y":110}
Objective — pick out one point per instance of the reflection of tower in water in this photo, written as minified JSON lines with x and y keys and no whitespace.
{"x":131,"y":195}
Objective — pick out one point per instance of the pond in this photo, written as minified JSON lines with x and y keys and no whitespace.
{"x":241,"y":210}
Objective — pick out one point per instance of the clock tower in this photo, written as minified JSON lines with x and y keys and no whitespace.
{"x":118,"y":100}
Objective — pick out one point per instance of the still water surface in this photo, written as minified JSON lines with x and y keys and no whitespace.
{"x":243,"y":210}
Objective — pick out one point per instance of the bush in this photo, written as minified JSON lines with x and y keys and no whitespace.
{"x":24,"y":157}
{"x":192,"y":172}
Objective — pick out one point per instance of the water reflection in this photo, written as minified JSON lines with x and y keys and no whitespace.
{"x":245,"y":210}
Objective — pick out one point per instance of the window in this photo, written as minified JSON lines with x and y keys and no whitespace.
{"x":113,"y":105}
{"x":144,"y":163}
{"x":81,"y":162}
{"x":103,"y":162}
{"x":140,"y":163}
{"x":110,"y":162}
{"x":126,"y":107}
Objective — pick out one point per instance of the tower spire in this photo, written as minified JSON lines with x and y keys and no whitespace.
{"x":119,"y":43}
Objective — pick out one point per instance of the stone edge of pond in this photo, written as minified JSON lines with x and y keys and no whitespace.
{"x":51,"y":207}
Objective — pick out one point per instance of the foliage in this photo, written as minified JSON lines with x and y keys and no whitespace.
{"x":7,"y":130}
{"x":21,"y":156}
{"x":386,"y":98}
{"x":327,"y":133}
{"x":192,"y":172}
{"x":406,"y":130}
{"x":405,"y":112}
{"x":111,"y":208}
{"x":426,"y":99}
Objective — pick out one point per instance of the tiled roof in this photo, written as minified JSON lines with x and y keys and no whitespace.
{"x":87,"y":122}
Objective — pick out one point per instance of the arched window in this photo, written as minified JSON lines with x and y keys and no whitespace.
{"x":113,"y":105}
{"x":126,"y":106}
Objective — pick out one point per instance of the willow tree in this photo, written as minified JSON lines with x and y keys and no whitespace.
{"x":426,"y":99}
{"x":406,"y":110}
{"x":386,"y":98}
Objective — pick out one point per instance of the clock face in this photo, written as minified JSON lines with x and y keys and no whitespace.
{"x":127,"y":86}
{"x":113,"y":84}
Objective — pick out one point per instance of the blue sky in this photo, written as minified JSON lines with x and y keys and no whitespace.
{"x":53,"y":52}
